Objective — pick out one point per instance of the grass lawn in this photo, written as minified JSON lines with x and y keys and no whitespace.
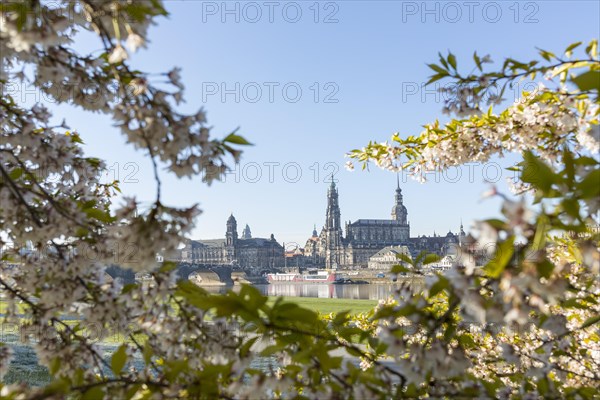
{"x":322,"y":305}
{"x":326,"y":306}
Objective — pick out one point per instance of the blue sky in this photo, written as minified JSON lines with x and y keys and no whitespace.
{"x":366,"y":69}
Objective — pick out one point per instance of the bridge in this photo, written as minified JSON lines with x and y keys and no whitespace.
{"x":210,"y":274}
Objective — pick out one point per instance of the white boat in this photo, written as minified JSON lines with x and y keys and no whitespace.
{"x":311,"y":276}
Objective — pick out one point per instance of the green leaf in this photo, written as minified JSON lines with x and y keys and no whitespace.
{"x":100,"y":215}
{"x":118,"y":360}
{"x":292,"y":311}
{"x":571,"y":207}
{"x":54,"y":366}
{"x":167,"y":266}
{"x":431,"y":258}
{"x":545,"y":268}
{"x":574,"y":303}
{"x":15,"y":174}
{"x":496,"y":223}
{"x":539,"y":239}
{"x":569,"y":170}
{"x":589,"y":187}
{"x":452,"y":60}
{"x":477,"y":61}
{"x":590,"y":321}
{"x":75,"y":138}
{"x":435,"y":77}
{"x":466,"y":341}
{"x":353,"y":352}
{"x":397,"y":269}
{"x":546,"y":54}
{"x":569,"y":50}
{"x":237,"y":139}
{"x":95,"y":393}
{"x":542,"y":386}
{"x":441,"y":284}
{"x":443,"y":60}
{"x":438,"y":69}
{"x":245,"y":348}
{"x":147,"y":354}
{"x":592,"y":48}
{"x":411,"y":391}
{"x":587,"y":81}
{"x":501,"y":259}
{"x":405,"y":258}
{"x":270,"y":350}
{"x":195,"y":295}
{"x":538,"y":173}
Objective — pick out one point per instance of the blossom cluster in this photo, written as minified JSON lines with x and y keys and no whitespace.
{"x":544,"y":124}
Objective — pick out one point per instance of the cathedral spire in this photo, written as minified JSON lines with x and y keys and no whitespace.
{"x":333,"y":229}
{"x":333,"y":208}
{"x":332,"y":185}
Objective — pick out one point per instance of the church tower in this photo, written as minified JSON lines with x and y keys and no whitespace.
{"x":231,"y":235}
{"x":399,"y":212}
{"x":333,"y":208}
{"x":333,"y":230}
{"x":231,"y":238}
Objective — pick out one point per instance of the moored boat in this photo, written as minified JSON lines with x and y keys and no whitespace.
{"x":311,"y":276}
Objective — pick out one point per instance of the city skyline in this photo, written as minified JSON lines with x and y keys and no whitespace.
{"x":318,"y":226}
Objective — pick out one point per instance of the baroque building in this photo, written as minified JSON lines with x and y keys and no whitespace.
{"x":366,"y":237}
{"x":245,"y":252}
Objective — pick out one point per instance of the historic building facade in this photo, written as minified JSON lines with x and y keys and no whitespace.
{"x":366,"y":237}
{"x":387,"y":257}
{"x":245,"y":252}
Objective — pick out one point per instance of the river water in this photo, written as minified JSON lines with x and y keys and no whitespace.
{"x":321,"y":290}
{"x":373,"y":291}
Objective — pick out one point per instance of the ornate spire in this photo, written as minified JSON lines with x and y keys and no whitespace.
{"x":333,"y":208}
{"x":399,"y":212}
{"x":246,"y":233}
{"x":333,"y":229}
{"x":332,"y":185}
